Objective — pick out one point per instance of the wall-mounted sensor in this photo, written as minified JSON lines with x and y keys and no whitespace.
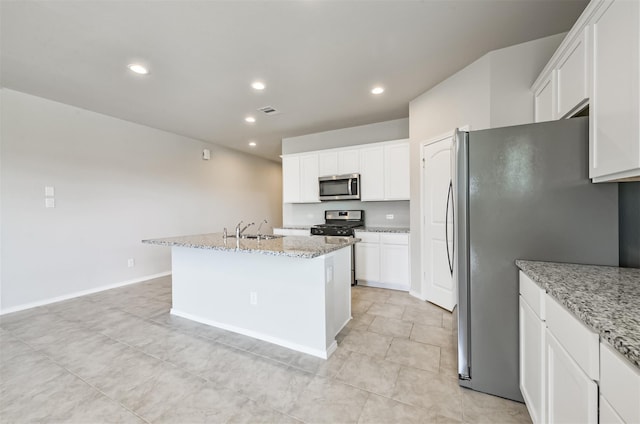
{"x":206,"y":154}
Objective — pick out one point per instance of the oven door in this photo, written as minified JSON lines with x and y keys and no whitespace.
{"x":340,"y":187}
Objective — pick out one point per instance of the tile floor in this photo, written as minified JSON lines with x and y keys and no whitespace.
{"x":119,"y":356}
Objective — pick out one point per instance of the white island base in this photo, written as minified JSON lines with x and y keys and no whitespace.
{"x":298,"y":303}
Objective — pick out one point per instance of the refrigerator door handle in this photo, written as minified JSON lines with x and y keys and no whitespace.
{"x":446,"y":227}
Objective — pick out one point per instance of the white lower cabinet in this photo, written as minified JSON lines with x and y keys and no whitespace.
{"x":571,"y":396}
{"x":532,"y":348}
{"x":607,"y":414}
{"x":619,"y":388}
{"x":559,"y":360}
{"x":382,"y":260}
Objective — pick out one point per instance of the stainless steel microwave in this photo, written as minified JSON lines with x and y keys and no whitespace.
{"x":340,"y":187}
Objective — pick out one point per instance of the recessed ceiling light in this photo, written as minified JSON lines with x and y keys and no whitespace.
{"x":377,"y":90}
{"x":252,"y":144}
{"x":138,"y":69}
{"x":250,"y":119}
{"x":258,"y":85}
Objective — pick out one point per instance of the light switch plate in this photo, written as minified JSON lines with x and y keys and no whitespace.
{"x":49,"y":191}
{"x":49,"y":202}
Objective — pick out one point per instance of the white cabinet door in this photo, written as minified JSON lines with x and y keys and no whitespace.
{"x":309,"y":188}
{"x":607,"y":414}
{"x":396,"y":171}
{"x":619,"y":384}
{"x":532,"y":367}
{"x":394,"y":265}
{"x":367,"y":258}
{"x":615,"y":92}
{"x":349,"y":161}
{"x":328,"y":164}
{"x":543,"y":101}
{"x":438,"y":284}
{"x":372,"y":173}
{"x":572,"y":77}
{"x":291,"y":179}
{"x":572,"y":397}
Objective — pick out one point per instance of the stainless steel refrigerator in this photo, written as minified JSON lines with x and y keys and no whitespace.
{"x":520,"y":192}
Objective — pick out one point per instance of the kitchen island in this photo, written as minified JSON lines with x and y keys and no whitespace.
{"x":291,"y":291}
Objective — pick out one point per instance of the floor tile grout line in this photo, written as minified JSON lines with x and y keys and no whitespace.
{"x":67,"y":370}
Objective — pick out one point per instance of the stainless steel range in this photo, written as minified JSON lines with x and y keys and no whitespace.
{"x":340,"y":224}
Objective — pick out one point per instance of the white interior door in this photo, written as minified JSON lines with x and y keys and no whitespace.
{"x":438,"y":283}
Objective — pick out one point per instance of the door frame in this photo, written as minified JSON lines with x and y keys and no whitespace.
{"x":421,"y":294}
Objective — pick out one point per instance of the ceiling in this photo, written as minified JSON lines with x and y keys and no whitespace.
{"x":319,"y":59}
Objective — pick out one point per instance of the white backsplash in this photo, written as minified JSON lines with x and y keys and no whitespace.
{"x":375,"y":214}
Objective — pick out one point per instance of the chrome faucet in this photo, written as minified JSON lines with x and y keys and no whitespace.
{"x":240,"y":231}
{"x":260,"y":226}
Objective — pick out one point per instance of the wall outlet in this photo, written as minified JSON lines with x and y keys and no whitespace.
{"x":329,"y":273}
{"x":390,"y":216}
{"x":49,"y":202}
{"x":253,"y":298}
{"x":49,"y":191}
{"x":131,"y":262}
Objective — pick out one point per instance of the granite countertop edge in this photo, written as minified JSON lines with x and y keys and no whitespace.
{"x":400,"y":230}
{"x":593,"y":295}
{"x":308,"y":251}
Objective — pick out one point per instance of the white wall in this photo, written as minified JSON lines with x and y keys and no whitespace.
{"x":511,"y":70}
{"x":362,"y":134}
{"x":116,"y":183}
{"x":491,"y":92}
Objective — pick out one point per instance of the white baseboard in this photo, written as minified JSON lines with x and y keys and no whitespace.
{"x":81,"y":293}
{"x":417,"y":295}
{"x":324,"y":354}
{"x":378,"y":285}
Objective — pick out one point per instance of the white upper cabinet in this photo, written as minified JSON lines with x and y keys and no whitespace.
{"x":309,"y":187}
{"x":572,"y":77}
{"x":372,"y":173}
{"x":384,"y":171}
{"x":328,"y":164}
{"x":300,"y":178}
{"x":544,"y":100}
{"x":615,"y":113}
{"x":396,"y":171}
{"x":291,"y":179}
{"x":348,"y":161}
{"x":338,"y":162}
{"x":598,"y":64}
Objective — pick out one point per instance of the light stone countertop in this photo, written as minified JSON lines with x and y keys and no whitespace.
{"x":295,"y":227}
{"x":383,"y":229}
{"x":291,"y":246}
{"x":604,"y":298}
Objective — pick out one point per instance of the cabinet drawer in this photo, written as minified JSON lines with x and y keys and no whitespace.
{"x":394,"y":239}
{"x":620,"y":384}
{"x":533,"y":294}
{"x":368,"y":237}
{"x":608,"y":415}
{"x":578,"y":340}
